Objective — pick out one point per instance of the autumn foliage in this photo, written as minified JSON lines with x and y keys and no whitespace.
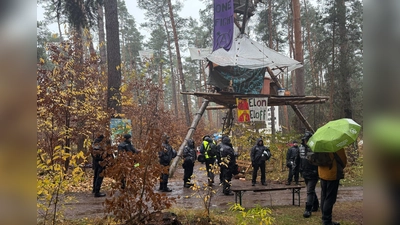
{"x":71,"y":112}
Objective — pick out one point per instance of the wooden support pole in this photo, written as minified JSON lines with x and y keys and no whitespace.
{"x":302,"y":118}
{"x":294,"y":107}
{"x":189,"y":135}
{"x":246,"y":7}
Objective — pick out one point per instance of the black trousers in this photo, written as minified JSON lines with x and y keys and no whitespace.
{"x":312,"y":198}
{"x":97,"y":178}
{"x":227,"y":177}
{"x":187,"y":173}
{"x":293,"y":172}
{"x":209,"y":164}
{"x":164,"y":179}
{"x":329,"y":190}
{"x":255,"y":170}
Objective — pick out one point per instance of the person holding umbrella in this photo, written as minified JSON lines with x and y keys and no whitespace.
{"x":332,"y":138}
{"x":330,"y":177}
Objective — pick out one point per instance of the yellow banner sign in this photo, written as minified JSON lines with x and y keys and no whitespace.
{"x":252,"y":109}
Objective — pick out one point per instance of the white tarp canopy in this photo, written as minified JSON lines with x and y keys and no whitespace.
{"x":199,"y":53}
{"x":249,"y":54}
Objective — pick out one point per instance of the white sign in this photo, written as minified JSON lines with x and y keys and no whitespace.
{"x":258,"y":109}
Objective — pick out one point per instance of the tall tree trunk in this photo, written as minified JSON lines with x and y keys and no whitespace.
{"x":298,"y":47}
{"x":113,"y":56}
{"x":271,"y":43}
{"x":59,"y":28}
{"x":291,"y":50}
{"x":332,"y":73}
{"x":344,"y":76}
{"x":299,"y":85}
{"x":160,"y":71}
{"x":102,"y":40}
{"x":203,"y":74}
{"x":312,"y":66}
{"x":179,"y":61}
{"x":171,"y":65}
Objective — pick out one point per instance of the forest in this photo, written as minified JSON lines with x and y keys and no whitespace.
{"x":101,"y":64}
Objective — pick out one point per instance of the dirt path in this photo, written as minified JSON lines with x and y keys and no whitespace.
{"x":88,"y":206}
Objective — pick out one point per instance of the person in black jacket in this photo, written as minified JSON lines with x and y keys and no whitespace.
{"x":189,"y":158}
{"x":166,"y":154}
{"x":292,"y":162}
{"x":259,"y":154}
{"x":310,"y":174}
{"x":228,"y":164}
{"x":127,"y":146}
{"x":97,"y":156}
{"x":207,"y":148}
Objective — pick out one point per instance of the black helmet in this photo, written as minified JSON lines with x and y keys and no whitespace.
{"x":165,"y":136}
{"x":127,"y":136}
{"x":307,"y":135}
{"x":206,"y":136}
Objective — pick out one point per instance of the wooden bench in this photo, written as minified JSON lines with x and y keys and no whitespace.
{"x":245,"y":166}
{"x":240,"y":187}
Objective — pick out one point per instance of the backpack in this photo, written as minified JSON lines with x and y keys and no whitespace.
{"x":319,"y":158}
{"x":213,"y":151}
{"x":201,"y":158}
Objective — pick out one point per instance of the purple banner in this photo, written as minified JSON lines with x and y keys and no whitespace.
{"x":223,"y":24}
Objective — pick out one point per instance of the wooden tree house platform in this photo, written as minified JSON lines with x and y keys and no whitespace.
{"x":228,"y":99}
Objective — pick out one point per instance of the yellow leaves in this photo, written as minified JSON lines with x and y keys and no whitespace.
{"x":53,"y":179}
{"x":41,"y":60}
{"x":80,"y":155}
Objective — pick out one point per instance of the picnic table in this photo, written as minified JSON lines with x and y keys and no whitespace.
{"x":240,"y":187}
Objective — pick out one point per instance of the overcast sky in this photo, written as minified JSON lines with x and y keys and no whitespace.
{"x":191,"y":8}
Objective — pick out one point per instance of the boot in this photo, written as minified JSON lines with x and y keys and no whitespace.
{"x":228,"y":192}
{"x":166,"y":189}
{"x":98,"y":194}
{"x":332,"y":223}
{"x":161,"y":186}
{"x":307,"y":212}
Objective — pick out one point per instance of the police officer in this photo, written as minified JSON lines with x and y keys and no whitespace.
{"x":259,"y":154}
{"x":97,"y":156}
{"x":292,"y":162}
{"x":228,"y":164}
{"x":189,"y":158}
{"x":310,"y":174}
{"x":207,"y":145}
{"x":166,"y":154}
{"x":127,"y":146}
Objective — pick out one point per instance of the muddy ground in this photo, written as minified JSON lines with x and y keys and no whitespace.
{"x":85,"y":205}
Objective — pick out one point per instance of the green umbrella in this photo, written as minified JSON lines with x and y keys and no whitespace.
{"x":334,"y":135}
